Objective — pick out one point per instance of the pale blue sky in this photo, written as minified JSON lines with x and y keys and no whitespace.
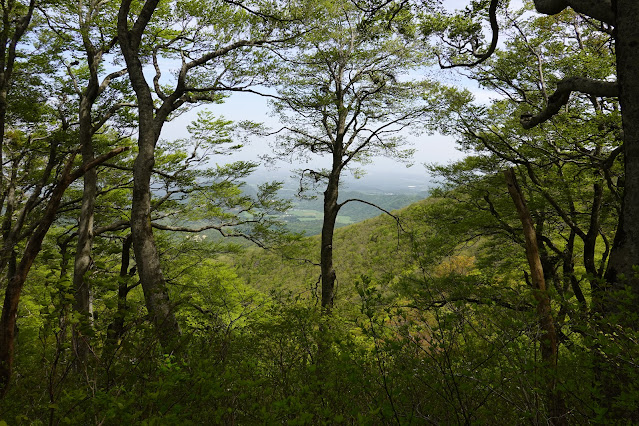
{"x":243,"y":106}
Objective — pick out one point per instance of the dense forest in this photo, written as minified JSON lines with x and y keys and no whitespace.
{"x":144,"y":281}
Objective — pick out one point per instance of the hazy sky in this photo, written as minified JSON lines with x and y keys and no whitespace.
{"x":242,"y":106}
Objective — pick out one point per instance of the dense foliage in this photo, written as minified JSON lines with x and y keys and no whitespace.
{"x":144,"y":282}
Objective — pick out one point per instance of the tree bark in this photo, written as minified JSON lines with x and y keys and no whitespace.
{"x":624,"y":255}
{"x":596,"y":9}
{"x":146,"y":254}
{"x":115,"y":330}
{"x":82,"y":290}
{"x":147,"y":257}
{"x":331,"y":209}
{"x":612,"y":300}
{"x":548,"y":341}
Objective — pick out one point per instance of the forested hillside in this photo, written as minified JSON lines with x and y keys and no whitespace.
{"x":149,"y":279}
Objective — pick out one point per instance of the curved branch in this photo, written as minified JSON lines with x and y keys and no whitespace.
{"x":440,"y":303}
{"x":561,"y":96}
{"x":399,"y":224}
{"x":494,"y":27}
{"x":598,"y":9}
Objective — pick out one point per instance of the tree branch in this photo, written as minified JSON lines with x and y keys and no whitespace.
{"x":523,"y":307}
{"x":494,"y":27}
{"x":397,"y":220}
{"x":597,"y":9}
{"x":561,"y":96}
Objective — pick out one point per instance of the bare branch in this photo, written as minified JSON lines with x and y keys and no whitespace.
{"x":397,"y":220}
{"x":108,"y":114}
{"x":523,"y":307}
{"x":219,"y":228}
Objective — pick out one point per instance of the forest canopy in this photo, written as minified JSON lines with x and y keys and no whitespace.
{"x":143,"y":280}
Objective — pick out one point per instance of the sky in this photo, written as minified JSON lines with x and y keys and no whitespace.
{"x":433,"y":148}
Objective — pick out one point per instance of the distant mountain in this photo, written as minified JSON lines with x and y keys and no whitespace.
{"x":400,"y":181}
{"x":375,"y":247}
{"x":307,"y":215}
{"x":386,"y":190}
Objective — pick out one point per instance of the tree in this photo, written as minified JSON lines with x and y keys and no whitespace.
{"x":195,"y":206}
{"x":16,"y":18}
{"x":345,"y":96}
{"x":33,"y":200}
{"x":210,"y":51}
{"x":33,"y":246}
{"x":619,"y":19}
{"x":616,"y":18}
{"x":550,"y":156}
{"x":569,"y":167}
{"x":86,"y":30}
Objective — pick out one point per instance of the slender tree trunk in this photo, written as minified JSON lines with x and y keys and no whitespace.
{"x":548,"y":341}
{"x":331,"y":208}
{"x":82,"y":290}
{"x":18,"y":278}
{"x":115,"y":330}
{"x":13,"y":28}
{"x":8,"y":237}
{"x":569,"y":272}
{"x":64,"y":273}
{"x":3,"y":117}
{"x":9,"y":38}
{"x":590,"y":242}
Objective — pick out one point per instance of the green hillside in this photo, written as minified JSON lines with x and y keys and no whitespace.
{"x":377,"y":248}
{"x":306,"y":215}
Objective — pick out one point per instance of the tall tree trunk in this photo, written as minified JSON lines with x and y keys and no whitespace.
{"x":611,"y":301}
{"x":82,"y":290}
{"x":331,"y":209}
{"x":146,"y":254}
{"x":548,"y":341}
{"x":147,"y":257}
{"x":625,"y":250}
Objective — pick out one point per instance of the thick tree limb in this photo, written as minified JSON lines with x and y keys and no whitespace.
{"x":562,"y":95}
{"x":598,"y":9}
